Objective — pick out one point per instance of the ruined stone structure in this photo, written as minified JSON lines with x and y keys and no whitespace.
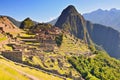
{"x":48,"y":45}
{"x":13,"y":55}
{"x":47,"y":38}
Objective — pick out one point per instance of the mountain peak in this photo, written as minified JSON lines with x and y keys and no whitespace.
{"x":27,"y":19}
{"x":113,"y":9}
{"x":70,"y":9}
{"x":73,"y":22}
{"x":99,"y":10}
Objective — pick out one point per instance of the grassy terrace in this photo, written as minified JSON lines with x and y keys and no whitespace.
{"x":2,"y":37}
{"x":26,"y":35}
{"x":71,"y":45}
{"x":8,"y":72}
{"x":54,"y":63}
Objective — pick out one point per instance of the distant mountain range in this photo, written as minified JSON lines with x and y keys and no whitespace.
{"x":105,"y":17}
{"x":53,"y":21}
{"x":106,"y":37}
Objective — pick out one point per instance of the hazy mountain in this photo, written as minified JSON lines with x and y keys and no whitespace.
{"x":106,"y":17}
{"x":104,"y":36}
{"x":53,"y":21}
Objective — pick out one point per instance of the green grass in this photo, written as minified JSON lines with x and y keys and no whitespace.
{"x":7,"y":47}
{"x":7,"y":73}
{"x":65,"y":70}
{"x":27,"y":35}
{"x":68,"y":45}
{"x":71,"y":45}
{"x":2,"y":37}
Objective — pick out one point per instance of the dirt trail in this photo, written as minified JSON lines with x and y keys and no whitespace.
{"x":31,"y":77}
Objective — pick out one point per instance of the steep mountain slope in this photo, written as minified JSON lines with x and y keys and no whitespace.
{"x":103,"y":36}
{"x":105,"y":17}
{"x":70,"y":20}
{"x":7,"y":26}
{"x":106,"y":37}
{"x":8,"y":31}
{"x":15,"y":22}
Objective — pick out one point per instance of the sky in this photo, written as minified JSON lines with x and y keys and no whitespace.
{"x":46,"y":10}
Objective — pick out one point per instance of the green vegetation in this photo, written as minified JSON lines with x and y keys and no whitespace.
{"x":42,"y":26}
{"x":73,"y":45}
{"x":56,"y":62}
{"x":8,"y":72}
{"x":26,"y":36}
{"x":6,"y":47}
{"x":27,"y":24}
{"x":53,"y":65}
{"x":59,"y":39}
{"x":99,"y":67}
{"x":2,"y":37}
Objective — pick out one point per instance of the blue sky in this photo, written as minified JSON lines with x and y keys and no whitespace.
{"x":46,"y":10}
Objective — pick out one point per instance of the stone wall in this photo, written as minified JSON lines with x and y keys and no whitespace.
{"x":13,"y":55}
{"x":48,"y":45}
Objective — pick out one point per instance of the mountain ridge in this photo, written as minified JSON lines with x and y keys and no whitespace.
{"x":105,"y":17}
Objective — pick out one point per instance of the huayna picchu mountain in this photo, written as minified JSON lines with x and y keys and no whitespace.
{"x":101,"y":35}
{"x":70,"y":20}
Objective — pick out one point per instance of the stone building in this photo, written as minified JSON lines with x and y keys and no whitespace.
{"x":13,"y":55}
{"x":48,"y":45}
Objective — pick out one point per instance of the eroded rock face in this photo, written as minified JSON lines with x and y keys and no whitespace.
{"x":7,"y":25}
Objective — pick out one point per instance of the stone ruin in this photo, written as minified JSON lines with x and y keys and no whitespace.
{"x":13,"y":55}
